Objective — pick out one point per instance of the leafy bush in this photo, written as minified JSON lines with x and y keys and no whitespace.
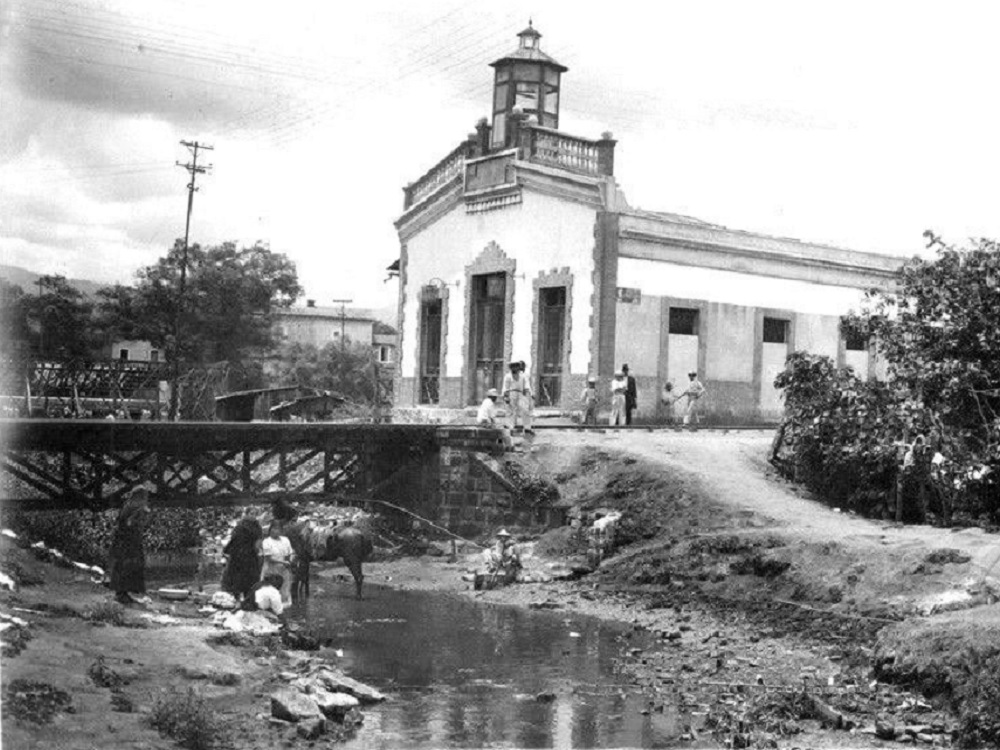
{"x":186,"y":718}
{"x":979,"y":708}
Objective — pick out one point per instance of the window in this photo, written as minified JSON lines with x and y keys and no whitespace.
{"x":526,"y":96}
{"x":123,"y":355}
{"x":154,"y":355}
{"x":385,"y":354}
{"x":775,"y":331}
{"x":684,"y":321}
{"x":500,"y":98}
{"x":855,"y":342}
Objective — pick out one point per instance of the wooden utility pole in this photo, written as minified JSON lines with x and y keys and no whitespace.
{"x":194,"y":170}
{"x":343,"y":319}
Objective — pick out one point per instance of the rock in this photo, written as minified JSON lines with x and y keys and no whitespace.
{"x":923,"y":737}
{"x":916,"y":729}
{"x":341,"y":684}
{"x":292,"y":705}
{"x":287,"y":676}
{"x":310,"y":729}
{"x":884,"y":730}
{"x":334,"y":705}
{"x":546,"y":697}
{"x":673,"y":636}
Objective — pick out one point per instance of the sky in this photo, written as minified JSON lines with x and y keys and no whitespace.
{"x":856,"y":124}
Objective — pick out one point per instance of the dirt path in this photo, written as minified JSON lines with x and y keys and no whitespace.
{"x":732,"y":468}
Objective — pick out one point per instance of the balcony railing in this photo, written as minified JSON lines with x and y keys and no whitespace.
{"x":550,"y":147}
{"x":442,"y":173}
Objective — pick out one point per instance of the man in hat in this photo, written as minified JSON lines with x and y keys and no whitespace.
{"x":693,"y":394}
{"x":589,"y":399}
{"x":487,"y":416}
{"x":618,"y":388}
{"x":517,"y":395}
{"x":503,"y":559}
{"x":631,"y":395}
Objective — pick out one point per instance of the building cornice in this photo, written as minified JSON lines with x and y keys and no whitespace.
{"x":744,"y":252}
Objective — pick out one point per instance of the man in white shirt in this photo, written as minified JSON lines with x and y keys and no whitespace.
{"x":487,"y":416}
{"x":276,"y":551}
{"x":517,"y":395}
{"x":618,"y":387}
{"x":693,"y":394}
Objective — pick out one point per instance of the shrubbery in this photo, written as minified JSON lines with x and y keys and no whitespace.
{"x":186,"y":718}
{"x":939,"y":336}
{"x":85,"y":536}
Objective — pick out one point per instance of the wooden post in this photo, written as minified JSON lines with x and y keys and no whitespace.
{"x":245,"y":477}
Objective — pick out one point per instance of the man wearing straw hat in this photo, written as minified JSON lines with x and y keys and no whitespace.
{"x":503,"y":559}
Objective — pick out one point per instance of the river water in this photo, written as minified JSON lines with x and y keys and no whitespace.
{"x":461,"y":673}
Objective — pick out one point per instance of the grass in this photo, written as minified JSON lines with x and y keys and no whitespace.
{"x":110,"y":613}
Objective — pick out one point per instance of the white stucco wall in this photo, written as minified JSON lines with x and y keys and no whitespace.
{"x":689,"y":282}
{"x":541,"y":233}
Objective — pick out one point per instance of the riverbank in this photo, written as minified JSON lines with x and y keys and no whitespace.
{"x":760,"y":617}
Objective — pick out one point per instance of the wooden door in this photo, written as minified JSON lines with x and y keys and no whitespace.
{"x":551,"y":334}
{"x":430,"y":351}
{"x":489,"y":292}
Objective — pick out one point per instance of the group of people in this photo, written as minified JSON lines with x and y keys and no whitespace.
{"x":259,"y":569}
{"x":625,"y":399}
{"x":516,"y":395}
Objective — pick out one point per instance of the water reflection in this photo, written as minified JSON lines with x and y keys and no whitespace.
{"x":466,"y":674}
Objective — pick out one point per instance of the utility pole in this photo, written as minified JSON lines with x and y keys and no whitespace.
{"x":343,"y":318}
{"x":194,"y":170}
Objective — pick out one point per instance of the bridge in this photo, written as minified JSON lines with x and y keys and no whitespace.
{"x":450,"y":475}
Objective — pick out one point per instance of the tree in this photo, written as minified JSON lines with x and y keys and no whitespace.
{"x":939,"y":333}
{"x":346,"y":371}
{"x":15,"y":334}
{"x":228,"y":304}
{"x":59,"y":317}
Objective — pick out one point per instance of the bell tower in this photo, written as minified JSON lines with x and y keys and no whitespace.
{"x":527,"y":79}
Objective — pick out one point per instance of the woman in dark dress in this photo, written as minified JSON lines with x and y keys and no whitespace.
{"x":127,"y":558}
{"x":243,"y":567}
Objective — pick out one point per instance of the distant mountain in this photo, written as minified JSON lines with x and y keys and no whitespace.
{"x":28,"y":280}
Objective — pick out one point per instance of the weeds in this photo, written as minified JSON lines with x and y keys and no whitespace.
{"x":187,"y":719}
{"x":109,"y":613}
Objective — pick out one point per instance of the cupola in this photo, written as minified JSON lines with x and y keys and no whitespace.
{"x":527,"y":79}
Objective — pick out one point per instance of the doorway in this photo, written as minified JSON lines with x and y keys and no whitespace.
{"x":430,"y":351}
{"x":551,"y":343}
{"x":489,"y":294}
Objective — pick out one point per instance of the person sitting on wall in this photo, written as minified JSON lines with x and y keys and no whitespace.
{"x":487,"y":415}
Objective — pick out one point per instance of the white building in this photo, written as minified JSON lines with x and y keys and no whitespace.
{"x":520,"y":245}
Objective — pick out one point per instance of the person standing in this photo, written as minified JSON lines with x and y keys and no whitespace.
{"x":517,"y":396}
{"x":694,"y":393}
{"x":618,"y":388}
{"x":243,"y":558}
{"x":667,"y":400}
{"x":487,"y":415}
{"x":277,"y":553}
{"x":127,"y":556}
{"x":589,"y":399}
{"x":631,"y":395}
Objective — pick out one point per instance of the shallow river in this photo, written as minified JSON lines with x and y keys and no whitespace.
{"x":466,"y":674}
{"x":461,"y":673}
